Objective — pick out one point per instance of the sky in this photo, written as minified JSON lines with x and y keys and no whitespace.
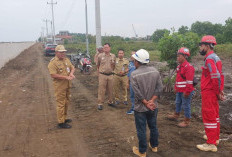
{"x":23,"y":20}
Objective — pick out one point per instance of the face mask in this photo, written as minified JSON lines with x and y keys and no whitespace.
{"x":203,"y":52}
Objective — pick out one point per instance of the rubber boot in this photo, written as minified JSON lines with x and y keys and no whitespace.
{"x":185,"y":123}
{"x":174,"y":116}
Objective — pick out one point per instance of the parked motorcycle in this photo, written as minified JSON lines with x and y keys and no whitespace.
{"x":83,"y":62}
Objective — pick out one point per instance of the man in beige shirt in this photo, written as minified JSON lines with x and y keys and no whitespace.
{"x":120,"y":78}
{"x":99,"y":50}
{"x":61,"y":70}
{"x":105,"y":65}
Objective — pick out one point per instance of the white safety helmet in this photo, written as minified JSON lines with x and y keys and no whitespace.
{"x":142,"y":56}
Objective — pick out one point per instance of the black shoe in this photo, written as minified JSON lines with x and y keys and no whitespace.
{"x":125,"y":103}
{"x":112,"y":105}
{"x":64,"y":126}
{"x":68,"y":120}
{"x":99,"y":107}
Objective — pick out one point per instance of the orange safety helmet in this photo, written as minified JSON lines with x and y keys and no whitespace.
{"x":184,"y":51}
{"x":208,"y":39}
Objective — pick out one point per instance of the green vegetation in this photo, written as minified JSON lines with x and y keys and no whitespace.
{"x":170,"y":44}
{"x":158,"y":34}
{"x":223,"y":33}
{"x":126,"y":46}
{"x":224,"y":50}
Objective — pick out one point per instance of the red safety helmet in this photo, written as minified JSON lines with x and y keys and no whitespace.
{"x":208,"y":39}
{"x":184,"y":51}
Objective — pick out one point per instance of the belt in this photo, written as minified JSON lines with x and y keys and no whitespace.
{"x":121,"y":75}
{"x":108,"y":74}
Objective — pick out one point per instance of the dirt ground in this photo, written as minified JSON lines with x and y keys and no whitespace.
{"x":28,"y":119}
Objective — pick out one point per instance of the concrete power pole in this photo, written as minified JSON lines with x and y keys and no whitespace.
{"x":54,"y":33}
{"x":46,"y":21}
{"x":42,"y":35}
{"x":86,"y":20}
{"x":51,"y":30}
{"x":98,"y":23}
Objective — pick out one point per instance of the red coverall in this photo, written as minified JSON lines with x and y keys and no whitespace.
{"x":184,"y":78}
{"x":212,"y":82}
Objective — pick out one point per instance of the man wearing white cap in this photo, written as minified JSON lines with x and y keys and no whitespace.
{"x":61,"y":70}
{"x":147,"y":86}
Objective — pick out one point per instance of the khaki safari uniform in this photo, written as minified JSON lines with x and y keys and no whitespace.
{"x":120,"y":81}
{"x":106,"y":68}
{"x":96,"y":57}
{"x":62,"y":87}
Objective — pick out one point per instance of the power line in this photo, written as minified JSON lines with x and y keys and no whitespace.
{"x":67,"y":17}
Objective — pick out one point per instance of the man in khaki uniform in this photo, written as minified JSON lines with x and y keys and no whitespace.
{"x":120,"y":78}
{"x":99,"y":50}
{"x":105,"y":65}
{"x":61,"y":70}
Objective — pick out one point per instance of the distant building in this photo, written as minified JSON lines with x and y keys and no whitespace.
{"x":63,"y":33}
{"x":62,"y":36}
{"x":148,"y":37}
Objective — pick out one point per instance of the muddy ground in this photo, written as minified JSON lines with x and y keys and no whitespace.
{"x":28,"y":118}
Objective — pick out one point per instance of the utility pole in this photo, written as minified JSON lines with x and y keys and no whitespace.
{"x":54,"y":33}
{"x":98,"y":23}
{"x":42,"y":34}
{"x":46,"y":21}
{"x":51,"y":30}
{"x":41,"y":37}
{"x":86,"y":20}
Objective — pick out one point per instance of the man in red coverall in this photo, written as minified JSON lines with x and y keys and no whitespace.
{"x":212,"y":85}
{"x":183,"y":87}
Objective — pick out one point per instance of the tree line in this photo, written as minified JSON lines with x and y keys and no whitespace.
{"x":223,"y":33}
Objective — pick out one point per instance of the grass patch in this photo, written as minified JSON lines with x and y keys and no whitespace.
{"x":224,"y":50}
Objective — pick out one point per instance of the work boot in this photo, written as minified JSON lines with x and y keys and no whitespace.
{"x":185,"y":123}
{"x":99,"y":107}
{"x":68,"y":120}
{"x":117,"y":102}
{"x":153,"y":149}
{"x":136,"y":152}
{"x":112,"y":105}
{"x":207,"y":147}
{"x":206,"y":138}
{"x":64,"y":126}
{"x":125,"y":103}
{"x":174,"y":116}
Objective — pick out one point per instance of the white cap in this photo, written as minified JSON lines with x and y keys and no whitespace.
{"x":141,"y":56}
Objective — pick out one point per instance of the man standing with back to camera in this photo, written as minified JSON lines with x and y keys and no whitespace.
{"x":147,"y":86}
